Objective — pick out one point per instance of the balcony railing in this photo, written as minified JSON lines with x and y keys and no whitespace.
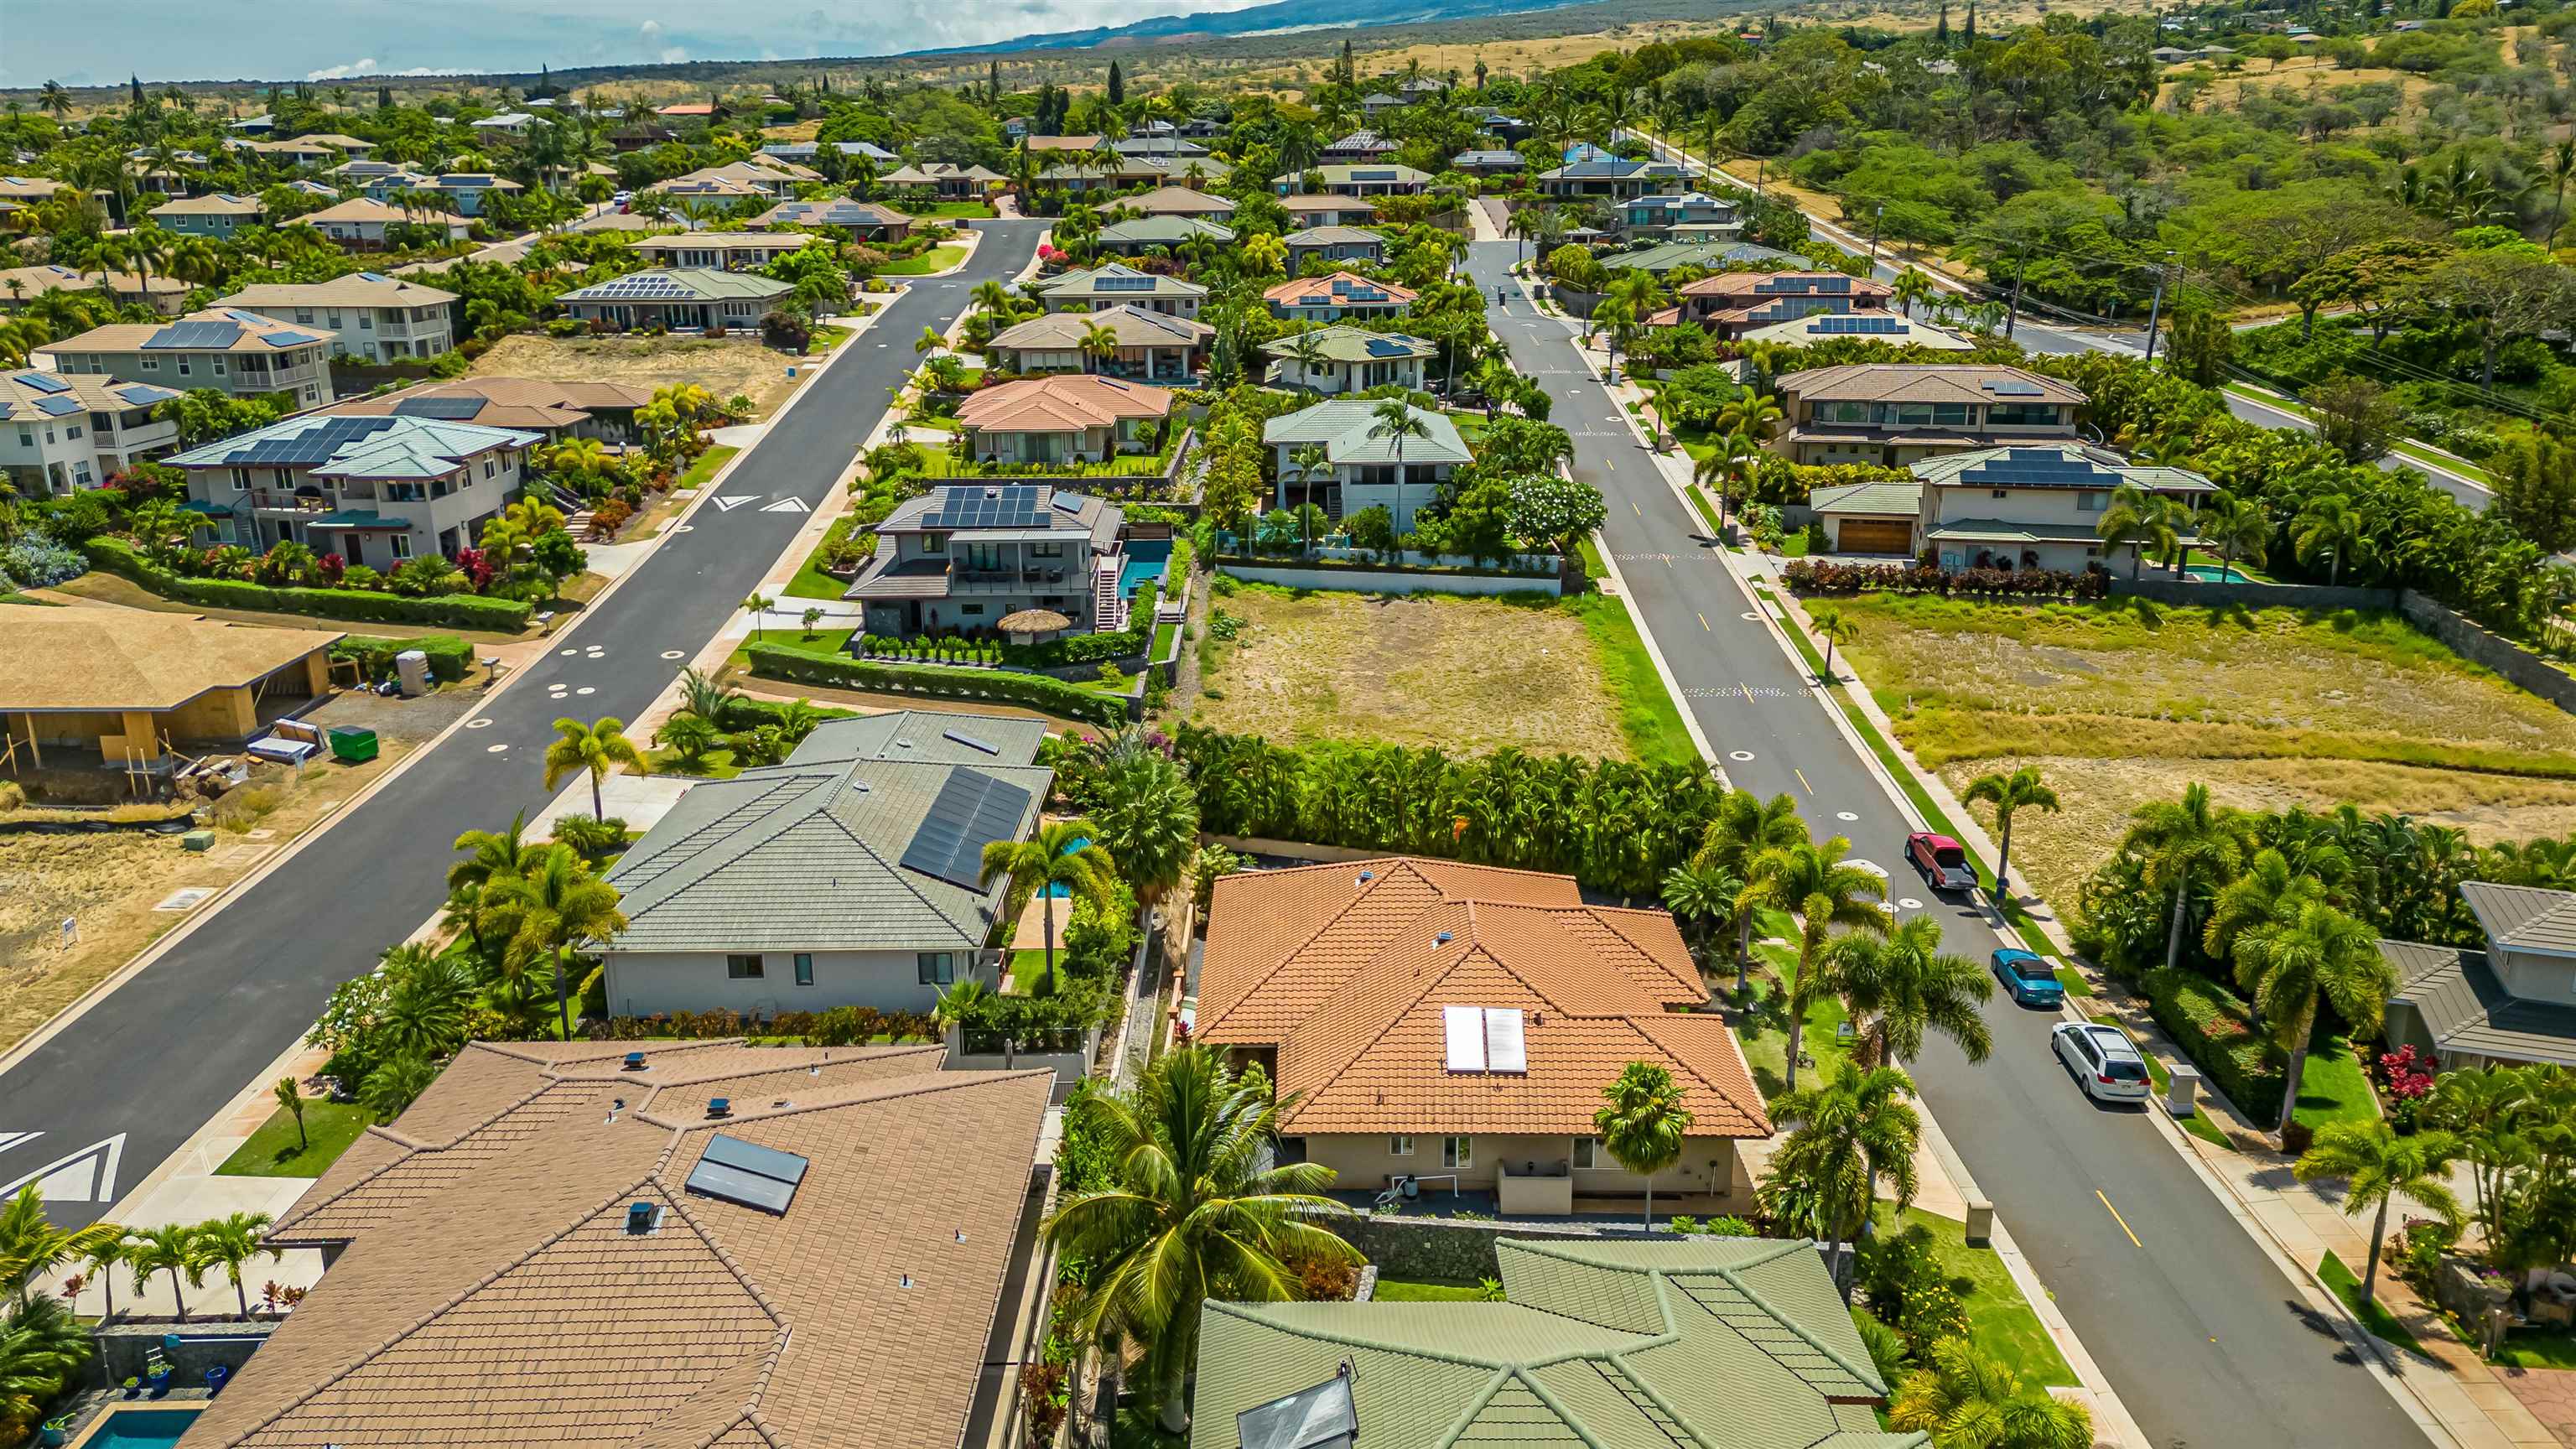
{"x":1008,"y":581}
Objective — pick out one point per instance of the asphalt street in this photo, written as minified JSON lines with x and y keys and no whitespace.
{"x":134,"y":1077}
{"x":2201,"y":1336}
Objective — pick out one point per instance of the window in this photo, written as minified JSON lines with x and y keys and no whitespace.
{"x":804,"y":968}
{"x":487,"y":467}
{"x":971,"y":611}
{"x":219,"y":367}
{"x":1843,"y":412}
{"x":938,"y":968}
{"x":27,"y":438}
{"x":402,"y":545}
{"x":1399,"y":1146}
{"x":304,"y":315}
{"x":1999,"y":493}
{"x":241,"y":480}
{"x":2093,"y":501}
{"x":1587,"y":1153}
{"x":152,"y":364}
{"x":72,"y":431}
{"x":183,"y":367}
{"x":742,"y":968}
{"x":934,"y":543}
{"x":1458,"y":1153}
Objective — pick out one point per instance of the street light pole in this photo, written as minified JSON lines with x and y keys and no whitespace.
{"x":1875,"y":218}
{"x":2012,"y":315}
{"x":2155,"y":307}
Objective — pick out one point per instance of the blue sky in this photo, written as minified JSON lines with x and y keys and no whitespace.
{"x":217,"y":40}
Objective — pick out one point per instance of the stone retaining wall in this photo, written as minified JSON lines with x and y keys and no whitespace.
{"x":124,"y":1346}
{"x":2475,"y":643}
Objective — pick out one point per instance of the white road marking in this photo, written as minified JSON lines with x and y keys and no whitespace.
{"x":1740,"y":756}
{"x":1908,"y":903}
{"x":787,"y":505}
{"x":17,"y":1139}
{"x":586,"y":689}
{"x":1845,"y":815}
{"x":673,"y":654}
{"x":478,"y":724}
{"x":730,"y":502}
{"x":88,"y":1175}
{"x":494,"y":749}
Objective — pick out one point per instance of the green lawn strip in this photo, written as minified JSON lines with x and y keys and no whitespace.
{"x":2073,"y":982}
{"x":1649,"y":719}
{"x":1028,"y":968}
{"x":1163,"y":639}
{"x":2373,"y":1316}
{"x":2333,"y":1088}
{"x":824,"y":641}
{"x":1425,"y":1290}
{"x":1707,"y":515}
{"x":810,"y":581}
{"x":971,"y":210}
{"x":937,"y":259}
{"x":713,"y":765}
{"x":1766,"y":1047}
{"x":2001,"y":1322}
{"x":821,"y":339}
{"x":272,"y":1151}
{"x":706,"y":466}
{"x":2528,"y":1349}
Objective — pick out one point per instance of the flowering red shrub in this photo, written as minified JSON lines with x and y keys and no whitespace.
{"x":2406,"y":1074}
{"x":476,"y":565}
{"x":331,"y":567}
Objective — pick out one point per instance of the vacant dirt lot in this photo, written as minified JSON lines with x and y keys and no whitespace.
{"x":723,"y":366}
{"x":1469,"y":675}
{"x":2268,"y":708}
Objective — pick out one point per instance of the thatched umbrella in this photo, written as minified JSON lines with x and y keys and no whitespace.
{"x":1028,"y":625}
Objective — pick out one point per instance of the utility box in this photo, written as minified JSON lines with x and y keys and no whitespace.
{"x":352,"y":744}
{"x":2182,"y":1093}
{"x":197,"y":841}
{"x":411,"y":667}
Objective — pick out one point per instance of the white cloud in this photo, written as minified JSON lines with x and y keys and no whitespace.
{"x":366,"y":66}
{"x":675,"y":55}
{"x":651,"y":28}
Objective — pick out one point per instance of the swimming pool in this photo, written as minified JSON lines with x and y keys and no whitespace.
{"x":122,"y":1427}
{"x":1146,"y":559}
{"x":1057,"y":890}
{"x":2215,"y":574}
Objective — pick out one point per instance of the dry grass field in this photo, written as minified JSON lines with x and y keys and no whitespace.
{"x":2269,"y":708}
{"x":724,"y":366}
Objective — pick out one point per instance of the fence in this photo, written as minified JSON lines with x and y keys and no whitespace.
{"x":1067,"y":1053}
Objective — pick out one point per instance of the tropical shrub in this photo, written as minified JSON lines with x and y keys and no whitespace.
{"x":778,"y":661}
{"x":35,"y":560}
{"x":456,"y":611}
{"x":2215,"y":1029}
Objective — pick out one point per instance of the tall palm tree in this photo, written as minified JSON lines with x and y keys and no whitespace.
{"x":1966,"y":1400}
{"x":1900,"y":985}
{"x":1743,"y":826}
{"x":1193,"y":1214}
{"x":2321,"y":953}
{"x":1395,"y":420}
{"x":1845,"y":1137}
{"x":1835,"y":627}
{"x":172,"y":1249}
{"x":1306,"y":349}
{"x":2237,"y":528}
{"x":1814,"y":883}
{"x":1750,"y":413}
{"x":31,"y":1246}
{"x":1146,"y":816}
{"x":2330,"y":525}
{"x":2270,"y":893}
{"x":550,"y":909}
{"x":100,"y":1261}
{"x":1643,"y":1123}
{"x":1705,"y":893}
{"x":2134,"y":521}
{"x":2375,"y":1164}
{"x":1062,"y":854}
{"x":1728,"y":470}
{"x":2011,"y":794}
{"x":1910,"y":287}
{"x":594,"y":749}
{"x":2184,"y":841}
{"x":233,"y":1241}
{"x":1099,"y":344}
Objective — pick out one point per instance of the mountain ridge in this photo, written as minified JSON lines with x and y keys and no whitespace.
{"x":1278,"y":16}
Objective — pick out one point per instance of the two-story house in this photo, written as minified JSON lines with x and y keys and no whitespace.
{"x":1731,"y":304}
{"x":1366,"y":466}
{"x":2032,"y":506}
{"x":1896,"y":413}
{"x":226,"y":349}
{"x":1145,"y":346}
{"x":554,"y":410}
{"x":1611,"y":180}
{"x":1334,"y":296}
{"x":372,"y":317}
{"x":1181,"y":201}
{"x":1683,"y":214}
{"x":1343,"y":359}
{"x":374,"y":490}
{"x":1116,"y":284}
{"x":1358,"y":148}
{"x":218,"y":214}
{"x":465,"y":190}
{"x":964,"y":556}
{"x":2512,"y":1003}
{"x":1334,"y":244}
{"x":733,"y":251}
{"x":1384,"y":179}
{"x":59,"y":434}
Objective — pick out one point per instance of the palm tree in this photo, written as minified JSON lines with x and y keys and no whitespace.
{"x":1306,"y":349}
{"x":2237,"y":528}
{"x":1966,"y":1400}
{"x":2330,"y":525}
{"x":41,"y":1347}
{"x":1702,"y":892}
{"x":1910,"y":287}
{"x":1844,"y":1137}
{"x":31,"y":1246}
{"x":172,"y":1249}
{"x":2135,"y":521}
{"x":233,"y":1241}
{"x":551,"y":908}
{"x":1813,"y":882}
{"x":1193,"y":1214}
{"x":1742,"y":827}
{"x":1643,"y":1123}
{"x":290,"y":1100}
{"x":928,"y":341}
{"x":1730,"y":463}
{"x":2186,"y":840}
{"x":2269,"y":894}
{"x":1061,"y":855}
{"x":1902,"y":984}
{"x":392,"y":1087}
{"x":2011,"y":794}
{"x":2375,"y":1164}
{"x":1395,"y":420}
{"x":1836,"y":628}
{"x":1147,"y":817}
{"x":100,"y":1261}
{"x":1099,"y":344}
{"x":594,"y":749}
{"x":2287,"y":968}
{"x":1750,"y":413}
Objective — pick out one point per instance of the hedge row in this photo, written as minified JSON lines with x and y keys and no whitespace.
{"x":454,"y":611}
{"x":1811,"y":576}
{"x":778,"y":661}
{"x":449,"y":656}
{"x":2217,"y":1032}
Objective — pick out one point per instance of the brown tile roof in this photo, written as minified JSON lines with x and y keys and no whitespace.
{"x":37,"y":280}
{"x":1065,"y":403}
{"x":509,"y":402}
{"x":1180,"y":201}
{"x":1317,"y":291}
{"x":366,"y":209}
{"x":1751,"y":284}
{"x":499,"y":1299}
{"x":352,"y":289}
{"x":1348,"y":977}
{"x":1064,"y":143}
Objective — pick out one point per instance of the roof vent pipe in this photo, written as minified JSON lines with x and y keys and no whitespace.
{"x":1442,"y":938}
{"x":720,"y":1106}
{"x":639,"y":1217}
{"x":634,"y":1061}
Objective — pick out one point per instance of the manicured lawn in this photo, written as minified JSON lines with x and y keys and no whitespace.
{"x":1766,"y":1045}
{"x":1028,"y":968}
{"x":827,"y":641}
{"x":2555,"y":1349}
{"x":2000,"y":1321}
{"x":706,"y":465}
{"x":970,"y":210}
{"x":2072,"y":982}
{"x":1425,"y":1290}
{"x":713,"y":765}
{"x":937,"y":259}
{"x":810,"y":581}
{"x":822,"y":339}
{"x":2382,"y":1324}
{"x":2332,"y":1087}
{"x":1648,"y":717}
{"x":1163,"y":639}
{"x":273,"y":1150}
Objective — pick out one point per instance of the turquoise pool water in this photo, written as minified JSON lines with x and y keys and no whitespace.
{"x":1146,"y":559}
{"x":124,"y":1428}
{"x":1058,"y":891}
{"x":2214,"y":574}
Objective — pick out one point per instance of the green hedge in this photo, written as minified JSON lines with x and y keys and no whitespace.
{"x":454,"y":611}
{"x":2214,"y":1029}
{"x":802,"y":666}
{"x":449,"y":656}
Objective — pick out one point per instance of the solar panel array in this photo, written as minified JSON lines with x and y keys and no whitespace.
{"x":2011,"y":387}
{"x":247,"y":319}
{"x":319,"y":443}
{"x":747,"y":1174}
{"x":59,"y":407}
{"x":1850,"y":324}
{"x":2040,"y":468}
{"x":449,"y":409}
{"x":1790,"y":283}
{"x":1358,"y":291}
{"x":40,"y":382}
{"x":972,"y":811}
{"x":1122,"y":284}
{"x":203,"y":336}
{"x":1390,"y":347}
{"x":637,"y":286}
{"x":1016,"y":506}
{"x":972,"y":742}
{"x":289,"y":339}
{"x":1372,"y":176}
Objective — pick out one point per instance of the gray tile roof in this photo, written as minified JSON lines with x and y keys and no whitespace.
{"x":1869,"y":500}
{"x":808,"y":855}
{"x":2524,"y":918}
{"x":2464,"y":1008}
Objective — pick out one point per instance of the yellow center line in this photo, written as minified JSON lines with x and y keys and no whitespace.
{"x":1703,"y":624}
{"x":1802,"y":778}
{"x":1748,"y":692}
{"x":2115,"y":1217}
{"x":1633,"y":508}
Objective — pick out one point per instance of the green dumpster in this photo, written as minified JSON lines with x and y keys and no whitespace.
{"x":352,"y":744}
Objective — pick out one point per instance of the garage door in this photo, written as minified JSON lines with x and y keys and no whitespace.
{"x":1875,"y":535}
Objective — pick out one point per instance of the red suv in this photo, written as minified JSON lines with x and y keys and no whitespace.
{"x":1942,"y":860}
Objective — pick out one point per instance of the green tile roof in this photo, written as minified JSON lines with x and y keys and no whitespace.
{"x":1346,"y":428}
{"x":1698,"y":1343}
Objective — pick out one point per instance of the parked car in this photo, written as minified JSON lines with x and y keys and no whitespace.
{"x":2028,"y":979}
{"x":2105,"y":1063}
{"x":1942,"y":860}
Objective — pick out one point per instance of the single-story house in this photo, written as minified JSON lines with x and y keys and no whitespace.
{"x":733,"y":251}
{"x":1152,"y":346}
{"x":1148,"y":233}
{"x":1434,"y":1018}
{"x":219,"y":214}
{"x":126,"y":684}
{"x":1115,"y":284}
{"x":1494,"y":162}
{"x":1312,"y":209}
{"x":1063,"y":418}
{"x":805,"y":152}
{"x":683,"y":299}
{"x":1895,"y":329}
{"x":1180,"y":201}
{"x":1344,"y":359}
{"x":1334,"y":244}
{"x":2512,"y":1003}
{"x":21,"y":285}
{"x":362,"y":222}
{"x":851,"y":875}
{"x":865,"y":220}
{"x":1333,"y":296}
{"x":465,"y":190}
{"x":1611,"y":179}
{"x":1699,"y":1341}
{"x":558,"y":410}
{"x":1384,"y":179}
{"x":1359,"y":146}
{"x":1370,"y":468}
{"x":744,"y":1223}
